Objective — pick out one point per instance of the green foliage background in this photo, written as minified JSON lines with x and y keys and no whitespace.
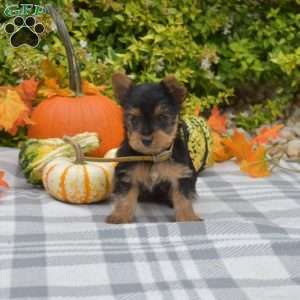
{"x":225,"y":51}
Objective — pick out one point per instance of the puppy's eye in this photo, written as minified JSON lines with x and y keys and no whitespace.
{"x":161,"y":120}
{"x":134,"y":120}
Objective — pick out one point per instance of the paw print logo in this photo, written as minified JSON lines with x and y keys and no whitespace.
{"x":24,"y":32}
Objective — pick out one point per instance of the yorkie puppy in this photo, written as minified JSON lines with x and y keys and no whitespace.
{"x":151,"y":121}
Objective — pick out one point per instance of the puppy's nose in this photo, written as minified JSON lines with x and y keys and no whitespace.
{"x":147,"y":140}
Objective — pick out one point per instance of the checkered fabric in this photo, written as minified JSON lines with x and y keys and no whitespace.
{"x":248,"y":247}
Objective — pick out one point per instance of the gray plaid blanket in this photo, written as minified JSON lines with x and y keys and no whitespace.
{"x":248,"y":247}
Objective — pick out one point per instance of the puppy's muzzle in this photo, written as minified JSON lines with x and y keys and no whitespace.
{"x":147,"y":140}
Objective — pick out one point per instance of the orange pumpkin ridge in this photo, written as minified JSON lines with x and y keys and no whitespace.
{"x":86,"y":185}
{"x":63,"y":185}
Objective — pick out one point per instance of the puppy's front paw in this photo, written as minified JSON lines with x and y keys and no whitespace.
{"x":187,"y":216}
{"x":117,"y":218}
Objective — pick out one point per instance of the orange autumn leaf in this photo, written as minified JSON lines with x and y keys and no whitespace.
{"x":50,"y":88}
{"x":238,"y":146}
{"x":13,"y":111}
{"x":27,"y":89}
{"x":3,"y":183}
{"x":91,"y":89}
{"x":50,"y":70}
{"x":51,"y":83}
{"x":266,"y":134}
{"x":256,"y":165}
{"x":220,"y":151}
{"x":217,"y":121}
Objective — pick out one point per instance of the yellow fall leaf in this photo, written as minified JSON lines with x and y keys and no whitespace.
{"x":13,"y":111}
{"x":50,"y":70}
{"x":89,"y":88}
{"x":50,"y":88}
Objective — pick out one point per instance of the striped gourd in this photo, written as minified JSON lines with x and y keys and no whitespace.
{"x":78,"y":181}
{"x":35,"y":154}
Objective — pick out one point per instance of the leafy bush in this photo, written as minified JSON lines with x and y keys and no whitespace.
{"x":217,"y":48}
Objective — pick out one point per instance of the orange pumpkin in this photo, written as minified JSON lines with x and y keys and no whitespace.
{"x":60,"y":115}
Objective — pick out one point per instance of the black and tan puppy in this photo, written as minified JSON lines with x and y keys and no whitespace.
{"x":151,"y":120}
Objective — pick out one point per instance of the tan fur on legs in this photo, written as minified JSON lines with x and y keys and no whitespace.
{"x":184,"y":211}
{"x":125,"y":207}
{"x":171,"y":171}
{"x":150,"y":175}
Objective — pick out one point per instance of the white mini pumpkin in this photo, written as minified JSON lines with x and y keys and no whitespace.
{"x":78,"y":181}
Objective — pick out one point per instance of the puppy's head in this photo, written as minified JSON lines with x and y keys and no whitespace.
{"x":151,"y":111}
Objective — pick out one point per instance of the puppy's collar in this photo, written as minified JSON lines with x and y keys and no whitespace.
{"x":163,"y":156}
{"x":160,"y":157}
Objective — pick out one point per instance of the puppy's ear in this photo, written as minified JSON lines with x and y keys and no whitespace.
{"x":121,"y":84}
{"x":177,"y":90}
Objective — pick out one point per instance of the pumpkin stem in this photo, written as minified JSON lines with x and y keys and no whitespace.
{"x":79,"y":156}
{"x":74,"y":72}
